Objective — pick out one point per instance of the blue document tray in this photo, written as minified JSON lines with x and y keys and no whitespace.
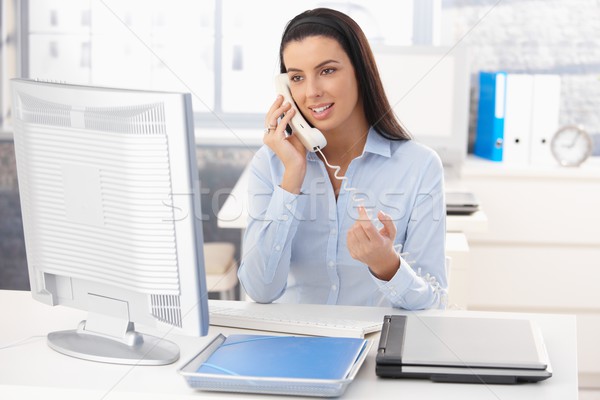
{"x":315,"y":387}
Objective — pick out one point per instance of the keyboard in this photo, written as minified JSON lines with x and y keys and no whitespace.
{"x":270,"y":317}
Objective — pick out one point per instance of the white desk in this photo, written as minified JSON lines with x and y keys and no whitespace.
{"x":33,"y":370}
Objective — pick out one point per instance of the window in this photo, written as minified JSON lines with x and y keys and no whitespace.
{"x":224,"y":52}
{"x":124,"y":43}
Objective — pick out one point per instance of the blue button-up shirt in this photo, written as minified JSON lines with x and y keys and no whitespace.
{"x":295,"y":248}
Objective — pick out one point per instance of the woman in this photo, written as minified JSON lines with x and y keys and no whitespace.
{"x":310,"y":239}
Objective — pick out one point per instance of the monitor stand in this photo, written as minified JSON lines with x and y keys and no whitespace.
{"x":128,"y":347}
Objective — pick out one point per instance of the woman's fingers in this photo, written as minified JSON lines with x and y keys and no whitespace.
{"x":269,"y":121}
{"x":389,"y":229}
{"x":275,"y":112}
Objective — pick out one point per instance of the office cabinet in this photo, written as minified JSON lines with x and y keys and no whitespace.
{"x":541,"y":251}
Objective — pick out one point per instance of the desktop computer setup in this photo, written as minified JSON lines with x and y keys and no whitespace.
{"x":109,"y":189}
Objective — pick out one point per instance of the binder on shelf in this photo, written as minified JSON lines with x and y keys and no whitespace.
{"x":544,"y":117}
{"x":517,"y":119}
{"x":489,"y":142}
{"x":300,"y":365}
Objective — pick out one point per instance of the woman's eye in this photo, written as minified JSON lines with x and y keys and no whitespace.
{"x":296,"y":78}
{"x":328,"y":71}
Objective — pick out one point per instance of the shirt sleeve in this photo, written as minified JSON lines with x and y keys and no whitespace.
{"x":421,"y":281}
{"x":272,"y":223}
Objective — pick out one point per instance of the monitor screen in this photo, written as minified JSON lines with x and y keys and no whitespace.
{"x":428,"y":89}
{"x":109,"y":192}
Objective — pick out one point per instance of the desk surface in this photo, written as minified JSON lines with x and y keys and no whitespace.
{"x":234,"y":213}
{"x":32,"y":370}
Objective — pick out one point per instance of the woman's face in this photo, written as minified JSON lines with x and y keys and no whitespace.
{"x":323,"y":83}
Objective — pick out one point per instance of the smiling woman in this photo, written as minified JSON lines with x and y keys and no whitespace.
{"x":307,"y":239}
{"x":326,"y":91}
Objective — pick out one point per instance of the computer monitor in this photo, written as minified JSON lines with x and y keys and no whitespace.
{"x":109,"y":192}
{"x":428,"y":89}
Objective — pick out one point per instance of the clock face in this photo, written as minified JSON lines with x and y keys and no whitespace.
{"x":571,"y":146}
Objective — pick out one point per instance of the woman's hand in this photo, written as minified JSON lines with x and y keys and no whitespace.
{"x":289,"y":149}
{"x":373,"y":247}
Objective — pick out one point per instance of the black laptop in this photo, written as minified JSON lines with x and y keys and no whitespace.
{"x":459,"y":349}
{"x":461,"y":203}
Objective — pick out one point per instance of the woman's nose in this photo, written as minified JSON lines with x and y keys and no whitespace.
{"x":313,"y":88}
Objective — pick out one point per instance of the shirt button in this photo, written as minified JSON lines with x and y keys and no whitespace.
{"x":330,"y":264}
{"x":333,"y":287}
{"x":278,"y":247}
{"x":288,"y":206}
{"x":332,"y":232}
{"x":284,"y":217}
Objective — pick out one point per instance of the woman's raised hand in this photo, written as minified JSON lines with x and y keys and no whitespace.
{"x":289,"y":149}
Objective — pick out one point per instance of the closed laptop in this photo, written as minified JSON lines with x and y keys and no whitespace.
{"x":459,"y":349}
{"x":461,"y":203}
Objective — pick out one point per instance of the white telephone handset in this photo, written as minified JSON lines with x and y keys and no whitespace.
{"x":311,"y":138}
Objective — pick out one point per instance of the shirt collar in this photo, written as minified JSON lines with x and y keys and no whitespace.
{"x":375,"y":144}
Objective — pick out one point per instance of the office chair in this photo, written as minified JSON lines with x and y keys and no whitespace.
{"x":221,"y":269}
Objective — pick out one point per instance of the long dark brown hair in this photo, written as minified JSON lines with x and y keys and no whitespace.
{"x":340,"y":27}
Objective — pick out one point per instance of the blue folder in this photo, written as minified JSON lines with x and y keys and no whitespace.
{"x":284,"y":357}
{"x":490,"y":116}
